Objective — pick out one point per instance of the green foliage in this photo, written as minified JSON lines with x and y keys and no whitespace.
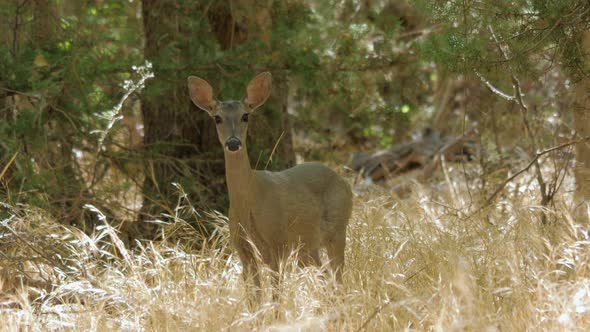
{"x":471,"y":33}
{"x":335,"y":80}
{"x":55,"y":84}
{"x":361,"y":72}
{"x":455,"y":51}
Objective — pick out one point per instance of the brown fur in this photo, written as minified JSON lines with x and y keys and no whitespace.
{"x":307,"y":206}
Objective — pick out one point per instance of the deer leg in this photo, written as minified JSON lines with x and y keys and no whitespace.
{"x":315,"y":256}
{"x":335,"y":249}
{"x":250,"y":271}
{"x":310,"y":257}
{"x":274,"y":264}
{"x":252,"y":281}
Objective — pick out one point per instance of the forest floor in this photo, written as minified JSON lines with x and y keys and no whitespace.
{"x":430,"y":261}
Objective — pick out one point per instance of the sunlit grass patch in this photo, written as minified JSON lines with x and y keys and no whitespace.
{"x":431,"y":261}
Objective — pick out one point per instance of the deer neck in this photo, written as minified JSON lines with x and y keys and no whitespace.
{"x":239,"y":174}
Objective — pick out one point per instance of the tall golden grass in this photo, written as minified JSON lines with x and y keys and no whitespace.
{"x":431,"y":261}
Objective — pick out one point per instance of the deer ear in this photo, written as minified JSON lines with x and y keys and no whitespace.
{"x":201,"y":93}
{"x":258,"y":90}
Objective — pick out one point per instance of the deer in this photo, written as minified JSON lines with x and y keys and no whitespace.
{"x":271,"y":214}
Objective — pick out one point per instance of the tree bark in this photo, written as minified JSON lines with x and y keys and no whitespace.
{"x":44,"y":12}
{"x":238,"y":22}
{"x":173,"y":134}
{"x":582,"y":127}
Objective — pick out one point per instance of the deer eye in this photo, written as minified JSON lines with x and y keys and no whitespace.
{"x":245,"y":117}
{"x":218,"y":119}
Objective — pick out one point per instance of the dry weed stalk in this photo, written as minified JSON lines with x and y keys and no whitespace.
{"x":411,"y":264}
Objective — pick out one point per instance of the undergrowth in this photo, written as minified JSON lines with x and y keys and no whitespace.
{"x":431,"y":261}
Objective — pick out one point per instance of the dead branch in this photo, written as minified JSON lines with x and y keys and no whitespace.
{"x":517,"y":98}
{"x":425,"y":153}
{"x":529,"y":165}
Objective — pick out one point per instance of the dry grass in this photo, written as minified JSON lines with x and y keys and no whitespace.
{"x":422,"y":263}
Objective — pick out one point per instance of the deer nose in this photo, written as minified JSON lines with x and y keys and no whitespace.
{"x":233,"y":144}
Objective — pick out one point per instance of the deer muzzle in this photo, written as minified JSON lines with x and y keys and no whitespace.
{"x":233,"y":144}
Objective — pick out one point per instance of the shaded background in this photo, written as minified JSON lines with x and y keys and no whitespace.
{"x":79,"y":126}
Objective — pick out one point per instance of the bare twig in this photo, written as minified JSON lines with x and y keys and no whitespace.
{"x":115,"y":114}
{"x":56,"y":263}
{"x":8,"y":165}
{"x":16,"y":26}
{"x":493,"y":88}
{"x":517,"y":98}
{"x":530,"y":164}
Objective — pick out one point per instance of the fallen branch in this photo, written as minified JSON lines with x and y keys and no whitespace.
{"x":423,"y":153}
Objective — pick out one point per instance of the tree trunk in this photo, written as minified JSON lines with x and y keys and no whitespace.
{"x":173,"y":135}
{"x":43,"y":12}
{"x":180,"y":141}
{"x":238,"y":22}
{"x":582,"y":126}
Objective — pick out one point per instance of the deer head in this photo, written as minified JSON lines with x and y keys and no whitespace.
{"x":231,"y":117}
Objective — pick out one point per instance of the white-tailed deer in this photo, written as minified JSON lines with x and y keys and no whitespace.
{"x":305,"y":207}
